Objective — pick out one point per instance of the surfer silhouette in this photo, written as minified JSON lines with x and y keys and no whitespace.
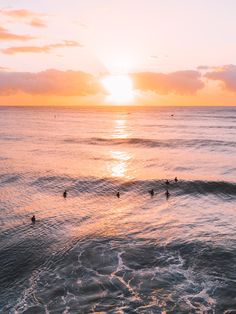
{"x":167,"y":194}
{"x":151,"y":192}
{"x":176,"y":179}
{"x":167,"y":182}
{"x":118,"y":194}
{"x":33,"y":219}
{"x":65,"y":194}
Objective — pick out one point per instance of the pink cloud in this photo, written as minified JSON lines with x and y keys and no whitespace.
{"x":20,"y":13}
{"x":180,"y":82}
{"x":36,"y":22}
{"x":3,"y":68}
{"x":49,"y":82}
{"x":32,"y":18}
{"x":226,"y":74}
{"x":6,"y":35}
{"x":40,"y":49}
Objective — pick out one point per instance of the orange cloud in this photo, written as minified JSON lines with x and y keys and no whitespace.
{"x":6,"y":35}
{"x":3,"y":68}
{"x":226,"y":74}
{"x":20,"y":13}
{"x":50,"y":82}
{"x":180,"y":82}
{"x":40,"y":49}
{"x":32,"y":18}
{"x":37,"y":23}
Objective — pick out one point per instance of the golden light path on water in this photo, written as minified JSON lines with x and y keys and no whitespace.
{"x":120,"y":158}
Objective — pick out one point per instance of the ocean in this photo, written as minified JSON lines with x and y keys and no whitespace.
{"x":93,"y":252}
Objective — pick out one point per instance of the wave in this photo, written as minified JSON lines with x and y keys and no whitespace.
{"x":107,"y":186}
{"x":152,"y":143}
{"x":112,"y":274}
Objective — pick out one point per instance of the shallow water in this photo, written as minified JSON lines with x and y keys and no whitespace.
{"x":95,"y":253}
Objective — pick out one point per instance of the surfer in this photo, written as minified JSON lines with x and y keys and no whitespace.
{"x":151,"y":192}
{"x":176,"y":179}
{"x":33,"y":219}
{"x":167,"y":182}
{"x":167,"y":194}
{"x":118,"y":194}
{"x":65,"y":194}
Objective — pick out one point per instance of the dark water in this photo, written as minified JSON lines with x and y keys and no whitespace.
{"x":95,"y":253}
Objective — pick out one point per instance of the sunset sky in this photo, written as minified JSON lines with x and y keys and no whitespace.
{"x":95,"y":52}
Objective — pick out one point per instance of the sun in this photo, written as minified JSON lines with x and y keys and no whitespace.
{"x":119,"y":88}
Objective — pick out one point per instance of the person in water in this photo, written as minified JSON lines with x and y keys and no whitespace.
{"x":65,"y":194}
{"x":118,"y":194}
{"x":167,"y":182}
{"x":151,"y":192}
{"x":33,"y":219}
{"x":176,"y":179}
{"x":167,"y":194}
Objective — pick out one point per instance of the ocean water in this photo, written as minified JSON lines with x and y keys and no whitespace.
{"x":95,"y":253}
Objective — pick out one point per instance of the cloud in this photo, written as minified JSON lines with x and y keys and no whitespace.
{"x":36,"y":22}
{"x":226,"y":74}
{"x":32,"y":18}
{"x":203,"y":67}
{"x":181,"y":82}
{"x":6,"y":35}
{"x":40,"y":49}
{"x":3,"y":68}
{"x":20,"y":13}
{"x":49,"y":82}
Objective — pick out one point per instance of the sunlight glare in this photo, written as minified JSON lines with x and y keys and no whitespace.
{"x":119,"y":88}
{"x":120,"y":163}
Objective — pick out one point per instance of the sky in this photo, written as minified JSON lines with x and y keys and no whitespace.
{"x":109,"y":52}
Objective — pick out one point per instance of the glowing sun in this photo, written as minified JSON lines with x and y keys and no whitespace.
{"x":119,"y":88}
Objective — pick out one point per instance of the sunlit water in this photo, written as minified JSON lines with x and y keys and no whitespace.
{"x":95,"y":253}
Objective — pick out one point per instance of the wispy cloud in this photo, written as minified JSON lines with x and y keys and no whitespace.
{"x":180,"y":82}
{"x":6,"y":35}
{"x":225,"y":74}
{"x":20,"y":13}
{"x":3,"y":68}
{"x":50,"y":82}
{"x":40,"y":49}
{"x":30,"y":17}
{"x":36,"y":22}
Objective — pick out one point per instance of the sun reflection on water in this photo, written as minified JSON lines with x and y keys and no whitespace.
{"x":120,"y":158}
{"x":119,"y":163}
{"x":120,"y":129}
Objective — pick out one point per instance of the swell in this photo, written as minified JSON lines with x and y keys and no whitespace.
{"x":106,"y":186}
{"x":93,"y":185}
{"x":168,"y":143}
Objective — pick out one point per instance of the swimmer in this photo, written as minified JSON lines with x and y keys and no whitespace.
{"x":167,"y":182}
{"x":118,"y":194}
{"x":65,"y":194}
{"x":151,"y":192}
{"x":33,"y":219}
{"x":167,"y":194}
{"x":176,"y":179}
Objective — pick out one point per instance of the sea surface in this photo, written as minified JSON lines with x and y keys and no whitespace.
{"x":93,"y":252}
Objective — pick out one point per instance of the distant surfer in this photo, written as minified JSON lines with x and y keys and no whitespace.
{"x":167,"y":182}
{"x":176,"y":179}
{"x":33,"y":219}
{"x":118,"y":194}
{"x":167,"y":194}
{"x":65,"y":194}
{"x":151,"y":192}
